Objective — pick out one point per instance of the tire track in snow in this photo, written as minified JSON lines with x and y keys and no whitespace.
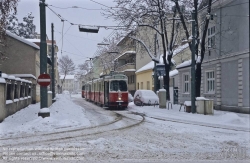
{"x":121,"y":123}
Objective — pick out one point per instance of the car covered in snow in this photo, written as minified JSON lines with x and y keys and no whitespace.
{"x":130,"y":98}
{"x":66,"y":92}
{"x":145,"y":97}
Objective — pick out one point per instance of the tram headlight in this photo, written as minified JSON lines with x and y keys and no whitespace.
{"x":119,"y":98}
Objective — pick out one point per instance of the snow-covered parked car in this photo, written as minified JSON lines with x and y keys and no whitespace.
{"x":66,"y":92}
{"x":145,"y":97}
{"x":130,"y":98}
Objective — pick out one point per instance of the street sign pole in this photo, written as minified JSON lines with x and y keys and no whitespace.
{"x":53,"y":64}
{"x":155,"y":75}
{"x":43,"y":54}
{"x":193,"y":107}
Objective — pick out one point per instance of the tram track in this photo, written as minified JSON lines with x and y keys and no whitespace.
{"x":202,"y":124}
{"x":121,"y":122}
{"x":79,"y":128}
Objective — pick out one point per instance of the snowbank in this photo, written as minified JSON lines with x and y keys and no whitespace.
{"x":222,"y":118}
{"x":63,"y":114}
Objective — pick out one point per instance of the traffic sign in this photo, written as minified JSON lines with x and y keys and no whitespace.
{"x":44,"y":80}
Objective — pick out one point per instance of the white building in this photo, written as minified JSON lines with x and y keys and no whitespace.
{"x":69,"y":83}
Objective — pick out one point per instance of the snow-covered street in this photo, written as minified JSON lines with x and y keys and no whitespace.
{"x":79,"y":131}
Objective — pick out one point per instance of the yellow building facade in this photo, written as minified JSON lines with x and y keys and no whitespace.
{"x":144,"y":79}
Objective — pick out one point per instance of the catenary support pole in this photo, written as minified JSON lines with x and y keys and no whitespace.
{"x":43,"y":53}
{"x":155,"y":72}
{"x":193,"y":108}
{"x":53,"y":62}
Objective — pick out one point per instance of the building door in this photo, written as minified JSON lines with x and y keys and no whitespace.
{"x":175,"y":95}
{"x":106,"y":93}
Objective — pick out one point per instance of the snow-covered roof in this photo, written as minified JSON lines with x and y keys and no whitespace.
{"x":11,"y":77}
{"x":130,"y":70}
{"x":173,"y":73}
{"x":184,"y":64}
{"x":33,"y":40}
{"x":4,"y":75}
{"x":148,"y":66}
{"x":123,"y":38}
{"x":127,"y":52}
{"x":24,"y":75}
{"x":22,"y":40}
{"x":180,"y":48}
{"x":67,"y":77}
{"x":2,"y":80}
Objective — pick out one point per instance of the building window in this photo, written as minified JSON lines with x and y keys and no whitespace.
{"x":138,"y":86}
{"x":148,"y":85}
{"x":186,"y":83}
{"x":133,"y":79}
{"x":211,"y":37}
{"x":9,"y":91}
{"x":141,"y":85}
{"x":210,"y":82}
{"x":21,"y":90}
{"x":16,"y":92}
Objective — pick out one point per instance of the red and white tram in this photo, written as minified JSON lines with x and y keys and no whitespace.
{"x":108,"y":91}
{"x":83,"y":91}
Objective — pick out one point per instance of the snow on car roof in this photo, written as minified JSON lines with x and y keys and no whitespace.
{"x":147,"y":92}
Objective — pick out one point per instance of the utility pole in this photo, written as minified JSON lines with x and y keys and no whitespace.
{"x":43,"y":59}
{"x":53,"y":62}
{"x":193,"y":107}
{"x":155,"y":72}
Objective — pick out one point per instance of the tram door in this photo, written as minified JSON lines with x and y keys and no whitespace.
{"x":106,"y":93}
{"x":99,"y":92}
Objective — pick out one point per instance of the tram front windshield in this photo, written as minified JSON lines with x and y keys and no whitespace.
{"x":116,"y":85}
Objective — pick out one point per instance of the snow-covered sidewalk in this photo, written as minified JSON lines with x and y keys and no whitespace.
{"x":222,"y":119}
{"x":63,"y":114}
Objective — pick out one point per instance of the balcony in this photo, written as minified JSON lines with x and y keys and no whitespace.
{"x":127,"y":67}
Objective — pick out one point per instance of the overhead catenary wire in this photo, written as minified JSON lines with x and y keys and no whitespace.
{"x":99,"y":26}
{"x":64,"y":33}
{"x":77,"y":36}
{"x":73,"y":7}
{"x":100,"y":4}
{"x":86,"y":25}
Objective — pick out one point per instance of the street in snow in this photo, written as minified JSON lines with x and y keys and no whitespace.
{"x":81,"y":131}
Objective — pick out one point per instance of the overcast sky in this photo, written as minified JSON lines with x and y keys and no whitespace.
{"x":78,"y":45}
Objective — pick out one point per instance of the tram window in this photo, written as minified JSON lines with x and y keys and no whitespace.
{"x":116,"y":84}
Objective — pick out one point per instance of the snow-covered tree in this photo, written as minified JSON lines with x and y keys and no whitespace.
{"x":157,"y":15}
{"x":12,"y":24}
{"x":200,"y":40}
{"x":66,"y":66}
{"x":6,"y":8}
{"x":27,"y":29}
{"x":108,"y":53}
{"x":84,"y":69}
